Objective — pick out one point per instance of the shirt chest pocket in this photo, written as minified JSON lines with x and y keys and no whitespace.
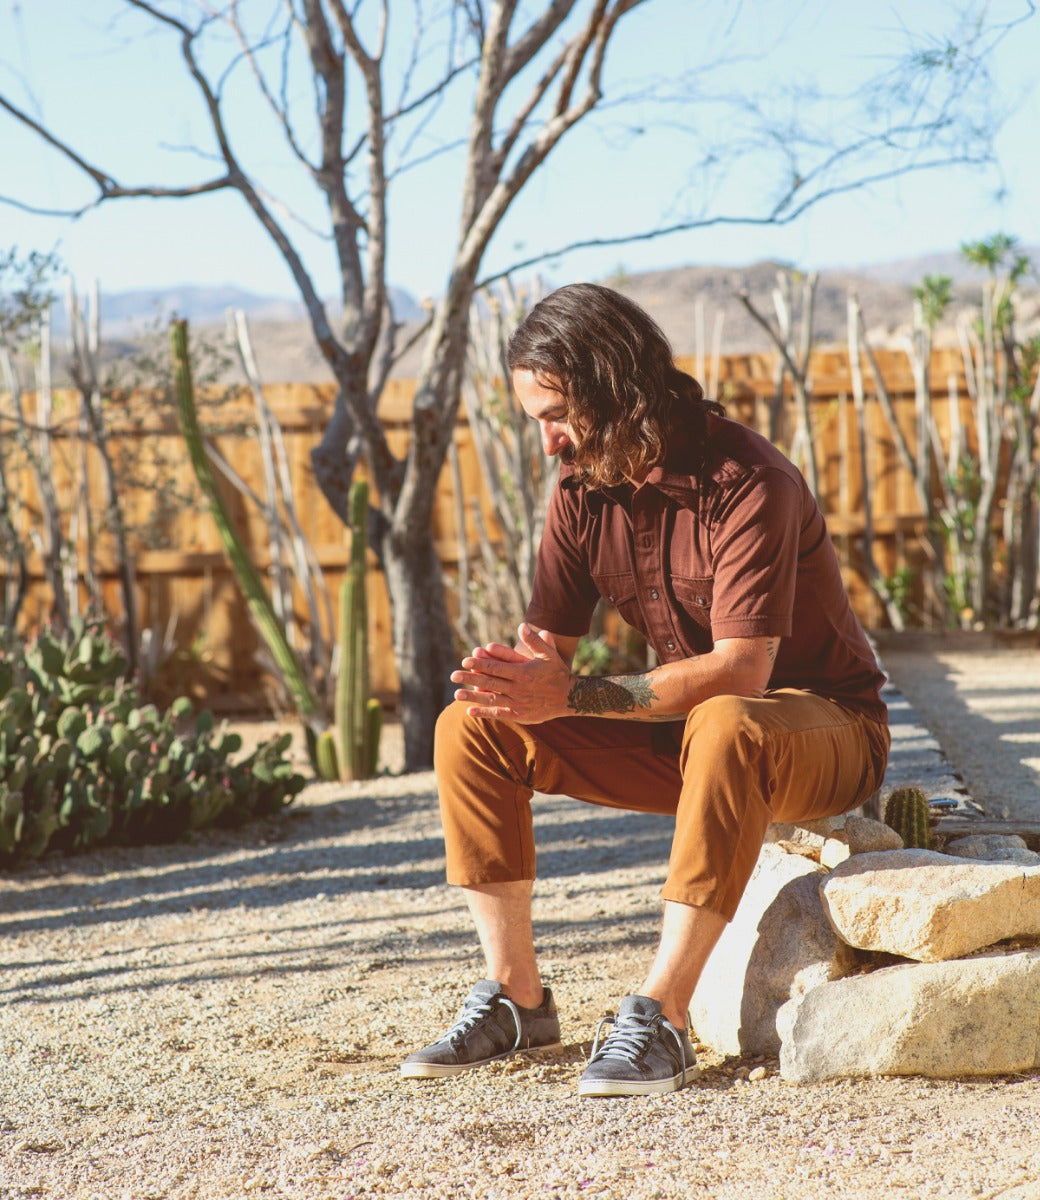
{"x":618,"y":588}
{"x":694,"y":596}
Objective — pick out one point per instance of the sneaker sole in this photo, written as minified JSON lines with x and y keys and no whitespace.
{"x":422,"y":1070}
{"x":636,"y":1087}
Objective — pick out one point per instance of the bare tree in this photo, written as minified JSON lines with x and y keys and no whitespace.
{"x":531,"y":73}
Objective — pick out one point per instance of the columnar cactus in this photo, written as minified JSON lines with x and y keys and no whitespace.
{"x":249,"y":581}
{"x":907,"y":812}
{"x":358,"y":716}
{"x":325,"y":755}
{"x":350,"y":750}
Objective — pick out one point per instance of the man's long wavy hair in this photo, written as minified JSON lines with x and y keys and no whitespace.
{"x":613,"y":365}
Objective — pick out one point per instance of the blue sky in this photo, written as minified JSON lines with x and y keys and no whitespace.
{"x":116,"y":92}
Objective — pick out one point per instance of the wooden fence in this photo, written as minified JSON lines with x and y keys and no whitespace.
{"x":185,"y":588}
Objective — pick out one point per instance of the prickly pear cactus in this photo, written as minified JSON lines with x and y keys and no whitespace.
{"x":83,"y":761}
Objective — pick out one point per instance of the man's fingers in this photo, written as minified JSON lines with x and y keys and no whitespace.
{"x":484,"y":704}
{"x":496,"y":652}
{"x":479,"y":695}
{"x":540,"y":642}
{"x":490,"y":713}
{"x":488,"y":668}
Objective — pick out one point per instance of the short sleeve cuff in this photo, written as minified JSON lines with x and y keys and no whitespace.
{"x":566,"y":624}
{"x":762,"y":625}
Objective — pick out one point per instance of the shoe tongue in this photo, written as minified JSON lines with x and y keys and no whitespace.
{"x":484,"y":989}
{"x":639,"y":1006}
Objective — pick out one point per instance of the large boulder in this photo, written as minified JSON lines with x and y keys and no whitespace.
{"x":929,"y":906}
{"x":778,"y":945}
{"x":975,"y":1016}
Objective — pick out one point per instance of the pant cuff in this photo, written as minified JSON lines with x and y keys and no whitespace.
{"x":700,"y":897}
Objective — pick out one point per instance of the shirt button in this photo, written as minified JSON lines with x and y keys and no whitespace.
{"x":648,"y":541}
{"x":669,"y":645}
{"x":653,"y":594}
{"x":610,"y":599}
{"x":701,"y":601}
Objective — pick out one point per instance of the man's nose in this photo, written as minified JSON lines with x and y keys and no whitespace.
{"x":554,"y":438}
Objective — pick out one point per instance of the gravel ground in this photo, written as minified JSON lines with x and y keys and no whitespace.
{"x":225,"y":1018}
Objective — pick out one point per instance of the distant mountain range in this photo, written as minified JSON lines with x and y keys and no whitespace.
{"x":124,"y":313}
{"x":682,"y":299}
{"x":910,"y":271}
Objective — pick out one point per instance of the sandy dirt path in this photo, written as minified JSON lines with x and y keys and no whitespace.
{"x":980,"y":697}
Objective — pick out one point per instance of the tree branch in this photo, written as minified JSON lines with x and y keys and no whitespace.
{"x":775,"y":216}
{"x":108,"y":188}
{"x":595,"y":37}
{"x":370,"y":65}
{"x":279,"y":109}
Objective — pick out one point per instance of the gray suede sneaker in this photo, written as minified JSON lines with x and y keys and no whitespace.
{"x":643,"y":1054}
{"x":489,"y":1027}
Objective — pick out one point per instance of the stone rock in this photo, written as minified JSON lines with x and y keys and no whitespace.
{"x":865,"y":835}
{"x":795,"y":839}
{"x":859,"y":835}
{"x":993,"y":847}
{"x":930,"y":906}
{"x":779,"y":944}
{"x":804,"y":837}
{"x":835,"y":850}
{"x":974,"y":1016}
{"x":789,"y":831}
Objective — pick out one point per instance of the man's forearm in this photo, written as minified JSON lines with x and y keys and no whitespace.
{"x":536,"y":685}
{"x":618,"y":696}
{"x":670,"y":691}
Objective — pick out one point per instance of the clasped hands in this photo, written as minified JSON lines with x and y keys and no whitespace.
{"x":529,"y":684}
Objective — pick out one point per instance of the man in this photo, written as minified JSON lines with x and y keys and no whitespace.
{"x":765,"y":706}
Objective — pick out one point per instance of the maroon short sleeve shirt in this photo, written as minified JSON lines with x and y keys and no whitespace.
{"x":737,"y":547}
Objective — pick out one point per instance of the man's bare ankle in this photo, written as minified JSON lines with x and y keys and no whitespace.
{"x":671,"y":1011}
{"x":525,"y":995}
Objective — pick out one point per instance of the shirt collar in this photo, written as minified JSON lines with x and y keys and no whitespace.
{"x":676,"y":477}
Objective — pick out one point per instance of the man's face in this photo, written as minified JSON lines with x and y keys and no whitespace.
{"x":547,"y":406}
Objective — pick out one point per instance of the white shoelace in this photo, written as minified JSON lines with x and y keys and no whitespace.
{"x":630,"y":1038}
{"x":474,"y":1011}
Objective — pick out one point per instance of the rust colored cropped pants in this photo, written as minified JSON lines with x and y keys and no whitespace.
{"x":736,"y":765}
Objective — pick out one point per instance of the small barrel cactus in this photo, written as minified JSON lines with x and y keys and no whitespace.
{"x":907,"y":812}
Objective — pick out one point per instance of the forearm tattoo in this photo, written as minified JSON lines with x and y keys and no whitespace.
{"x":611,"y":695}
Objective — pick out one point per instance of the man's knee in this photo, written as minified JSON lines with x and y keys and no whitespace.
{"x":721,"y":733}
{"x":460,"y":739}
{"x":452,"y":732}
{"x":724,"y":718}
